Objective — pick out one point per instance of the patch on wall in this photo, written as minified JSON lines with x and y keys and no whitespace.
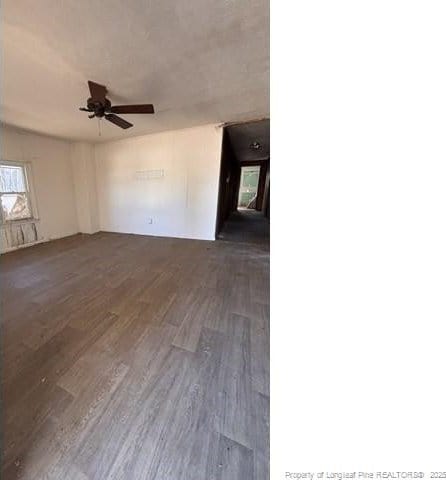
{"x":15,"y":235}
{"x":143,"y":175}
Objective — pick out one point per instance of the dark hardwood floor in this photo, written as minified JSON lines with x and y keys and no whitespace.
{"x":131,"y":357}
{"x":246,"y":226}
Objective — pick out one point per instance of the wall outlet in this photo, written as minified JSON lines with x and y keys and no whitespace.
{"x":150,"y":221}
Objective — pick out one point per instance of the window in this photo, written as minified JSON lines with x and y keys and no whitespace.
{"x":14,"y":192}
{"x":248,"y":185}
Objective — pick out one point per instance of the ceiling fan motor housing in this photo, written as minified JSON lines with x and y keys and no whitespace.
{"x":99,"y":108}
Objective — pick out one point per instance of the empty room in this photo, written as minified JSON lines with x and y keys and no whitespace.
{"x":134,"y":268}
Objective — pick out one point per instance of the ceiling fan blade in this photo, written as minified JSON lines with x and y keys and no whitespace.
{"x":120,"y":122}
{"x":97,"y":91}
{"x":133,"y":109}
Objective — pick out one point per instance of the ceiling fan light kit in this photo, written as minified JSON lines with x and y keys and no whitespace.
{"x":99,"y":106}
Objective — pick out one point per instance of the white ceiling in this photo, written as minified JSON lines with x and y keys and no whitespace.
{"x":197,"y":61}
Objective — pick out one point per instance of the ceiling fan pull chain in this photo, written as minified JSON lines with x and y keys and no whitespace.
{"x":99,"y":126}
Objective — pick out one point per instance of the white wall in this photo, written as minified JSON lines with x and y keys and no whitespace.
{"x":86,"y":188}
{"x":84,"y":175}
{"x":52,"y":179}
{"x":183,"y":203}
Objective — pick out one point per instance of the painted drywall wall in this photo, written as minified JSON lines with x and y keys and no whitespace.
{"x":52,"y":179}
{"x":181,"y":201}
{"x":84,"y":176}
{"x":162,"y":184}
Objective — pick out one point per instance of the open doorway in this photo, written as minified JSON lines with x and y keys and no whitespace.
{"x":249,"y":182}
{"x":243,"y":207}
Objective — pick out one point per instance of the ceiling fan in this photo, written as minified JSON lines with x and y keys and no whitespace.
{"x":99,"y":106}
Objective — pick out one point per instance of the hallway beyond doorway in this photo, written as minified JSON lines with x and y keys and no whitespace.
{"x":246,"y":226}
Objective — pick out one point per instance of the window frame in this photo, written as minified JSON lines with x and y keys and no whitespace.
{"x":27,"y":173}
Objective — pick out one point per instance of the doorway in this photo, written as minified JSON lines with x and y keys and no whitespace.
{"x":243,"y":202}
{"x":249,"y":184}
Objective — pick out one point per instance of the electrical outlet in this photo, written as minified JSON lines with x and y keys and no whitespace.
{"x":150,"y":221}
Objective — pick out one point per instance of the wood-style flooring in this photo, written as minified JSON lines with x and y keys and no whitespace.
{"x":246,"y":226}
{"x":136,"y":358}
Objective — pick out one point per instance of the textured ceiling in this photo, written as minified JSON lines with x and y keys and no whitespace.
{"x":200,"y":61}
{"x":245,"y":134}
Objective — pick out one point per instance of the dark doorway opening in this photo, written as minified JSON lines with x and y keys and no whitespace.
{"x":243,"y":205}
